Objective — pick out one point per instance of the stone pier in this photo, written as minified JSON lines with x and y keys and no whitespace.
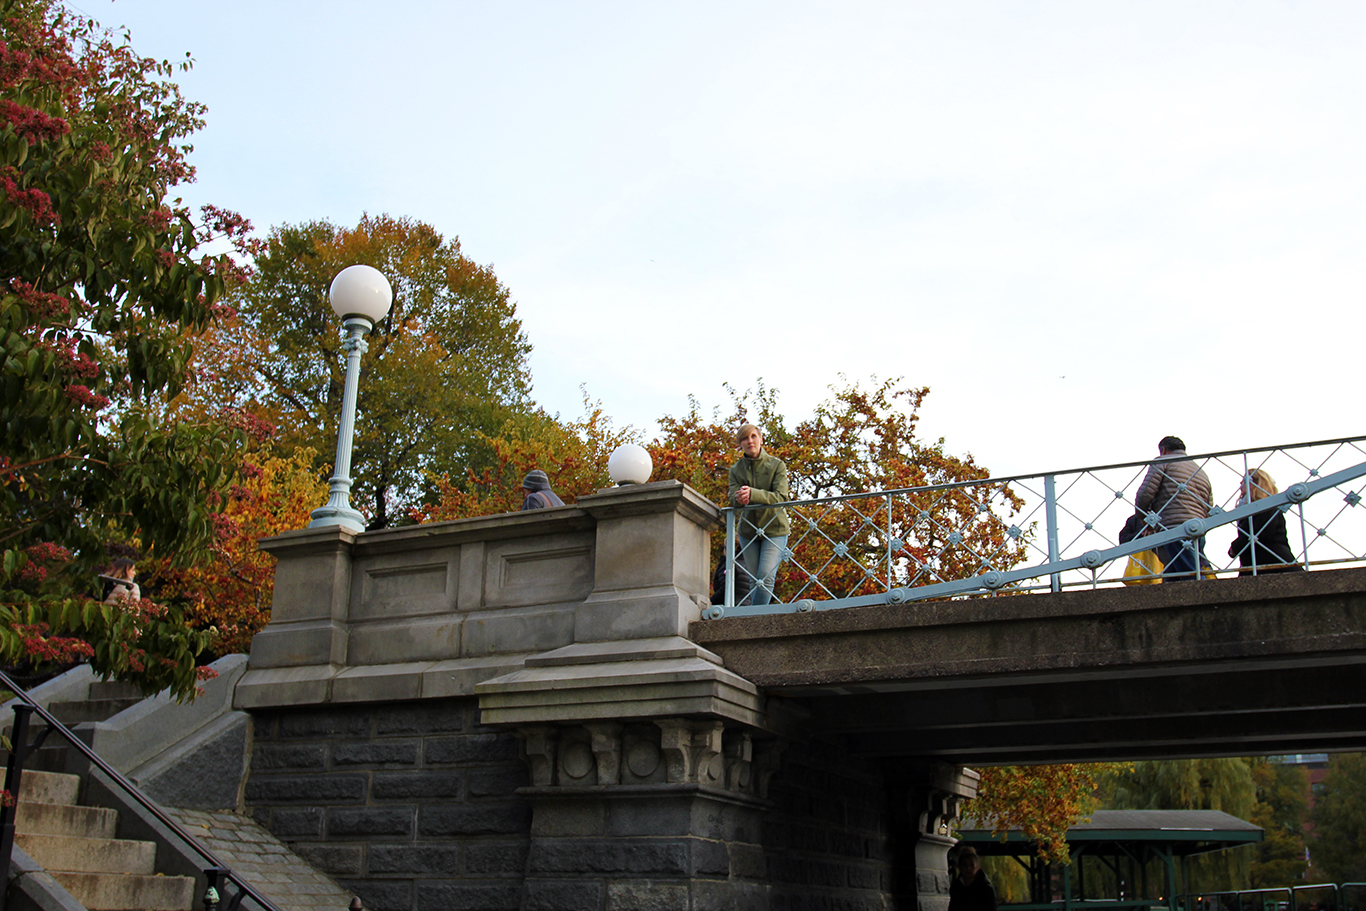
{"x":506,"y":713}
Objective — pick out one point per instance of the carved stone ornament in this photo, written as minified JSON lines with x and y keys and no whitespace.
{"x":673,"y":751}
{"x":935,"y":810}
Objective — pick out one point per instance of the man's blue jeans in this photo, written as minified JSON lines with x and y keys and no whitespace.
{"x":1180,"y":559}
{"x":762,"y":554}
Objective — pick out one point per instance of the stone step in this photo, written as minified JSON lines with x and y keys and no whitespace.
{"x":65,"y":819}
{"x":78,"y":711}
{"x":112,"y":689}
{"x":78,"y":854}
{"x":50,"y":758}
{"x":103,"y":892}
{"x":49,"y":787}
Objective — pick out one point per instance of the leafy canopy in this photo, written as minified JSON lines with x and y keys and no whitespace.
{"x":1339,"y":848}
{"x":444,"y":369}
{"x":1281,"y":811}
{"x":1042,"y":802}
{"x":99,"y":279}
{"x":230,"y":589}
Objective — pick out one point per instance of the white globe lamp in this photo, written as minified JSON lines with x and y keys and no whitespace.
{"x":361,"y":291}
{"x":629,"y":464}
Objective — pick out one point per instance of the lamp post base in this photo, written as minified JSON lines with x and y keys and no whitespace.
{"x":338,"y":514}
{"x":325,"y":516}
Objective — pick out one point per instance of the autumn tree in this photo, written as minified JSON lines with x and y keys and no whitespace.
{"x":99,"y":278}
{"x":445,"y":369}
{"x":861,"y":439}
{"x":1225,"y":784}
{"x":572,"y":453}
{"x":1281,"y":811}
{"x":229,"y":590}
{"x":1339,"y":815}
{"x":1041,"y":802}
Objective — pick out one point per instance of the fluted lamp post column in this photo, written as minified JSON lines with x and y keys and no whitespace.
{"x":361,"y":296}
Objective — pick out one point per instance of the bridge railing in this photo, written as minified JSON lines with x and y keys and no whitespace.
{"x":1302,"y":897}
{"x":1047,"y":532}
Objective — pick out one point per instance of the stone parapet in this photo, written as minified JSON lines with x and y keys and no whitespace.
{"x":430,"y":611}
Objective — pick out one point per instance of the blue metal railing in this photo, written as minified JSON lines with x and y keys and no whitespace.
{"x":1047,"y":531}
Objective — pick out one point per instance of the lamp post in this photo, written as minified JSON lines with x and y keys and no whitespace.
{"x":361,"y":296}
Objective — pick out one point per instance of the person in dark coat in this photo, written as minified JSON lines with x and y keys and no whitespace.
{"x":536,"y":486}
{"x":742,"y":581}
{"x":970,"y":889}
{"x":1271,"y":552}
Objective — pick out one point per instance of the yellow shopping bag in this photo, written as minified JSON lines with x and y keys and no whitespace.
{"x":1143,"y":569}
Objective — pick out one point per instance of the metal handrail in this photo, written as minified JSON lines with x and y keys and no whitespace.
{"x":21,"y":748}
{"x":880,"y":545}
{"x":1192,"y":900}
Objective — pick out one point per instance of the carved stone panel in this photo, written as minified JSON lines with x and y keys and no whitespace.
{"x":673,"y":751}
{"x":407,"y":585}
{"x":538,"y":571}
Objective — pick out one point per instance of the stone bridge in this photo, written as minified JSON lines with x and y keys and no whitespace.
{"x":1237,"y":667}
{"x":526,"y":712}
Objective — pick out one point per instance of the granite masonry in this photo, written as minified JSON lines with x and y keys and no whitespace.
{"x":504,"y":713}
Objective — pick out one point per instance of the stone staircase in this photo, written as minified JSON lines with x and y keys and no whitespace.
{"x":76,"y":845}
{"x":105,"y":700}
{"x":190,"y":759}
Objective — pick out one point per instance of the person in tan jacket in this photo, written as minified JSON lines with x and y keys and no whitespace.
{"x":1176,"y":489}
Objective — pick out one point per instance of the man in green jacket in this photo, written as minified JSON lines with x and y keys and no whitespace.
{"x":756,"y":479}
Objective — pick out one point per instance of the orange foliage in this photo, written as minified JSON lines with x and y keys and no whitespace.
{"x":1042,"y":801}
{"x":859,"y":440}
{"x":232,"y":590}
{"x":573,"y":454}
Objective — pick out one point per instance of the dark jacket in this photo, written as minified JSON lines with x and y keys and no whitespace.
{"x":1176,"y":489}
{"x":742,"y":581}
{"x":979,"y":896}
{"x":766,"y":478}
{"x":539,"y":495}
{"x":1273,"y":546}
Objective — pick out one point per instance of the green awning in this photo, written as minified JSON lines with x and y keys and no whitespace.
{"x":1180,"y":833}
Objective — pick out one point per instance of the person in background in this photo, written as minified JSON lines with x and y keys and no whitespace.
{"x":970,"y":889}
{"x":1176,"y":489}
{"x":1271,"y":551}
{"x":119,"y":583}
{"x":742,"y":581}
{"x":536,"y":486}
{"x":756,"y":479}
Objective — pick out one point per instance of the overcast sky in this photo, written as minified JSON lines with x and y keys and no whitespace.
{"x":1084,"y":224}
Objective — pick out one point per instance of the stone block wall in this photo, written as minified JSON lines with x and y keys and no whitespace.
{"x":412,"y":806}
{"x":827,"y":841}
{"x":415,"y":807}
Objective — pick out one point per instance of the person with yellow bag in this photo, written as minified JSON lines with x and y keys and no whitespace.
{"x":1143,"y":568}
{"x":1177,"y":490}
